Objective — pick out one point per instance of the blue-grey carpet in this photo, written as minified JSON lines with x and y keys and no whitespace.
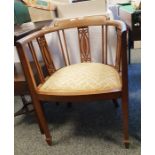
{"x":86,"y":128}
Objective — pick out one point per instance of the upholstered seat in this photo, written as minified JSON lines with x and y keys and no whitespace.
{"x":83,"y":78}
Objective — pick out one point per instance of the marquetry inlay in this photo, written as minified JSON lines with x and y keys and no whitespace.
{"x":84,"y":44}
{"x":46,"y":54}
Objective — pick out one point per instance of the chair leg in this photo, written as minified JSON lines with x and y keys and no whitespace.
{"x":41,"y":129}
{"x":42,"y":120}
{"x":57,"y":103}
{"x":39,"y":123}
{"x":115,"y":103}
{"x":69,"y":104}
{"x":25,"y":109}
{"x":125,"y":120}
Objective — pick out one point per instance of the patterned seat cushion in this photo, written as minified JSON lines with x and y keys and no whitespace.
{"x":81,"y":79}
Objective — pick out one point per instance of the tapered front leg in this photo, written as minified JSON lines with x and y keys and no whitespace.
{"x":42,"y":120}
{"x":115,"y":103}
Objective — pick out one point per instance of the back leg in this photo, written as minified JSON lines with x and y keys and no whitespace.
{"x":57,"y":103}
{"x":115,"y":102}
{"x":69,"y":104}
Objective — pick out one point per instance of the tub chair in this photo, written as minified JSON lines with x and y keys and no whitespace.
{"x":83,"y":79}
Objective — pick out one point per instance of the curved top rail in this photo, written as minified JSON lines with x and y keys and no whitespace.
{"x":75,"y":23}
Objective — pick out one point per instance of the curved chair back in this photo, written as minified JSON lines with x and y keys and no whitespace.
{"x":38,"y":42}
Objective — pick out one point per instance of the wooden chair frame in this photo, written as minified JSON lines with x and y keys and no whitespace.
{"x":81,"y":24}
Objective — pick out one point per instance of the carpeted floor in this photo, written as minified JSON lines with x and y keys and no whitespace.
{"x":85,"y":128}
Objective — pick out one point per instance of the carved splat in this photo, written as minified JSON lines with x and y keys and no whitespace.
{"x":46,"y":54}
{"x":84,"y":44}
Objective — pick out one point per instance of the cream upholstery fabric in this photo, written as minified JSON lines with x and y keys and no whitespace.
{"x":83,"y":78}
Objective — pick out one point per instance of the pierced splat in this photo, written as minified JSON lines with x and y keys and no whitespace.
{"x":84,"y":44}
{"x":46,"y":54}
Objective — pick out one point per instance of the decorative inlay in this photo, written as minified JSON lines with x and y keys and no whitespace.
{"x":46,"y":54}
{"x":84,"y":44}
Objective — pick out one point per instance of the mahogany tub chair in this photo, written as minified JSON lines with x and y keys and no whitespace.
{"x":83,"y":81}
